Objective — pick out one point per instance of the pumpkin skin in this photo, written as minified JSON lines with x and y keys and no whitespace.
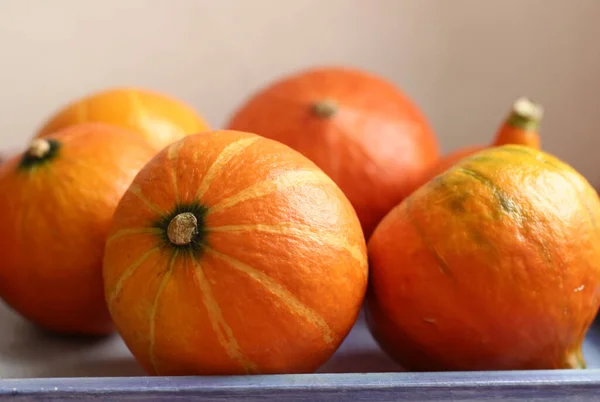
{"x":55,"y":213}
{"x":270,"y":279}
{"x":161,"y":119}
{"x":364,"y":133}
{"x":493,"y":265}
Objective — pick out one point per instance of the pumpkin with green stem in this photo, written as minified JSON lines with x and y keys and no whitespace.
{"x":231,"y":253}
{"x":363,"y":131}
{"x":492,"y":265}
{"x":520,"y":127}
{"x":56,"y":205}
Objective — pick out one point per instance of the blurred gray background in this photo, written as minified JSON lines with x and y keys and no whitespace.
{"x":462,"y":61}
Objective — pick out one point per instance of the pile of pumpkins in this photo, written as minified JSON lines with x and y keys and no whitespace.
{"x":252,"y":249}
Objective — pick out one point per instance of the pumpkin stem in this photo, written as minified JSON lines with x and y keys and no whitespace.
{"x":325,"y":108}
{"x":182,"y":229}
{"x":39,"y":148}
{"x":575,"y":360}
{"x":525,"y":114}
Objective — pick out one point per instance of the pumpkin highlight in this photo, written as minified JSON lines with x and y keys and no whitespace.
{"x":159,"y":118}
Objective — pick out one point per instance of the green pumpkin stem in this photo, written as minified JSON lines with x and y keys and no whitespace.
{"x":525,"y":114}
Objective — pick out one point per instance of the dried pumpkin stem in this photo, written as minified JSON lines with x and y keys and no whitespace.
{"x":526,"y":114}
{"x":325,"y":108}
{"x":182,"y":229}
{"x":39,"y":148}
{"x":575,"y":360}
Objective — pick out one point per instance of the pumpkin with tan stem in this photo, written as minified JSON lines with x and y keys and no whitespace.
{"x":232,"y":254}
{"x":56,"y":205}
{"x":159,"y":118}
{"x":493,"y":265}
{"x":367,"y":135}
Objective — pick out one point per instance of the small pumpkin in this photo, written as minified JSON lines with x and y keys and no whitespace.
{"x":56,"y":204}
{"x":160,"y":118}
{"x":367,"y":135}
{"x":520,"y":127}
{"x":493,"y":265}
{"x":231,"y":253}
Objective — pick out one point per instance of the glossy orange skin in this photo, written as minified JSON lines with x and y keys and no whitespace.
{"x":375,"y":147}
{"x":161,"y":119}
{"x":279,"y":284}
{"x":54,"y":219}
{"x":493,"y":265}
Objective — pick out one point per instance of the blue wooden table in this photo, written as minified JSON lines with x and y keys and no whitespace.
{"x":358,"y":372}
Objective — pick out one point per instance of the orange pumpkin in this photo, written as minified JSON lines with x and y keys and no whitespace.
{"x":161,"y":119}
{"x":493,"y":265}
{"x":57,"y":202}
{"x":369,"y":137}
{"x":521,"y":127}
{"x":231,"y":254}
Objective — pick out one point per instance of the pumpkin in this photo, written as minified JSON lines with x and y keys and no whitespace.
{"x":161,"y":119}
{"x":493,"y":265}
{"x":361,"y":130}
{"x":520,"y":127}
{"x":58,"y":197}
{"x":231,"y":253}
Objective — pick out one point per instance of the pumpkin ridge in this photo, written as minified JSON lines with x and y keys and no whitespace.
{"x":80,"y":164}
{"x":442,"y":264}
{"x":298,"y":230}
{"x":152,"y":326}
{"x":228,"y":153}
{"x":560,"y":171}
{"x":132,"y":231}
{"x":292,"y":303}
{"x":284,"y":181}
{"x":137,"y":191}
{"x":173,"y":156}
{"x":219,"y":324}
{"x":504,"y":201}
{"x":520,"y":149}
{"x":508,"y":205}
{"x":357,"y":146}
{"x":116,"y":289}
{"x":543,"y":161}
